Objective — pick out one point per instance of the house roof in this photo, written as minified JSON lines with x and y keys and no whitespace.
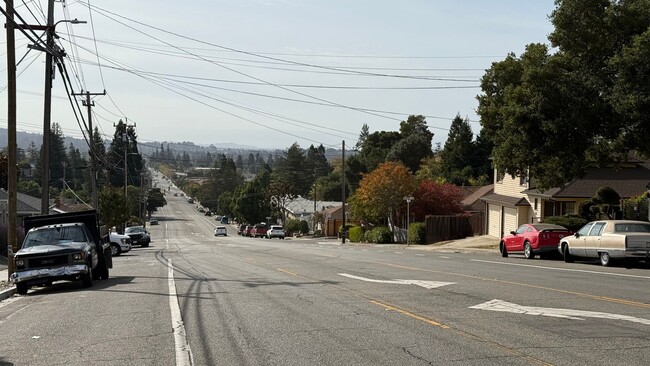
{"x":25,"y":205}
{"x":300,"y":205}
{"x":627,"y":182}
{"x":475,"y":194}
{"x":504,"y":200}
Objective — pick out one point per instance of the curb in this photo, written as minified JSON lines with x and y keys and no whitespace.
{"x":5,"y":294}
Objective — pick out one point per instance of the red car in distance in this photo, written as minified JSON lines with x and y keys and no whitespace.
{"x":533,"y":239}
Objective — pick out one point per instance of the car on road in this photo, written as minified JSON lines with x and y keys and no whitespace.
{"x":533,"y":239}
{"x":275,"y":231}
{"x":248,"y":231}
{"x":153,"y":221}
{"x":119,"y":243}
{"x":609,"y":240}
{"x":138,"y":235}
{"x":220,"y":230}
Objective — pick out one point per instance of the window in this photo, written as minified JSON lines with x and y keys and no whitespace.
{"x":522,"y":180}
{"x":522,"y":229}
{"x":535,"y":204}
{"x":499,"y":176}
{"x":597,"y":229}
{"x":585,"y":229}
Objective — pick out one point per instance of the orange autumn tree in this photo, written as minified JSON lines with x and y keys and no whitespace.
{"x":381,"y":192}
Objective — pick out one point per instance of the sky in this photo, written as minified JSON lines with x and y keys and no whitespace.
{"x":268,"y":73}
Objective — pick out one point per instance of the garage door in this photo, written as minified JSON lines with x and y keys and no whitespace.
{"x":509,"y":219}
{"x":494,"y":220}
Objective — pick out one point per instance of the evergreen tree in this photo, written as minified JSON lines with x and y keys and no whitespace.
{"x":363,"y":136}
{"x":458,"y":152}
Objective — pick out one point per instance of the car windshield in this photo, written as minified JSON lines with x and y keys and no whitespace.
{"x":55,"y":236}
{"x":134,"y":230}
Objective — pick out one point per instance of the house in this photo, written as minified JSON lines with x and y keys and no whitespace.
{"x":25,"y":206}
{"x":516,"y":200}
{"x":303,"y":209}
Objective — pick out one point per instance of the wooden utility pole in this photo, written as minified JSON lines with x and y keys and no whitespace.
{"x":93,"y":174}
{"x":47,"y":111}
{"x":12,"y":245}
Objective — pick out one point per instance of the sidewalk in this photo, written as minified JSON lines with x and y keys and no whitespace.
{"x":6,"y":289}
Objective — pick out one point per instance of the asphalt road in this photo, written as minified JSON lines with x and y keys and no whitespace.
{"x":193,"y":298}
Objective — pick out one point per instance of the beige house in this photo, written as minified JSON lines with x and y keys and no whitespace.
{"x":516,"y":200}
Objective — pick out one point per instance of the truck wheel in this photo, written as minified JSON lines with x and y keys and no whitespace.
{"x":87,"y":279}
{"x":21,"y":288}
{"x":115,"y":250}
{"x":502,"y":250}
{"x":605,"y":260}
{"x":528,"y":251}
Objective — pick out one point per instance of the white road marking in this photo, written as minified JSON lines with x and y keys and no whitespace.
{"x":444,"y":257}
{"x":183,"y":351}
{"x":508,"y":307}
{"x":562,"y":269}
{"x":426,"y":284}
{"x":419,"y":255}
{"x":399,"y":253}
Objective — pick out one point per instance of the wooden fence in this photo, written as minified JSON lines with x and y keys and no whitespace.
{"x":441,"y":228}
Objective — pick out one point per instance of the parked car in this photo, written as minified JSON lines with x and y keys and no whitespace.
{"x":275,"y":231}
{"x":220,"y":230}
{"x":259,"y":230}
{"x":241,"y":230}
{"x":248,"y":231}
{"x":609,"y":240}
{"x":119,"y":243}
{"x":533,"y":239}
{"x":138,"y":235}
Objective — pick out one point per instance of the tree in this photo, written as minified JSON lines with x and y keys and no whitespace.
{"x":411,"y":150}
{"x":280,"y":193}
{"x":251,"y":200}
{"x":459,"y":149}
{"x":436,"y":198}
{"x":155,"y":199}
{"x":125,"y":145}
{"x":376,"y":148}
{"x":113,"y":208}
{"x":293,"y":169}
{"x":555,"y":114}
{"x":381,"y":192}
{"x":607,"y":200}
{"x":363,"y":136}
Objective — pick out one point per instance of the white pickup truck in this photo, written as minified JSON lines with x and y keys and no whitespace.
{"x":119,"y":243}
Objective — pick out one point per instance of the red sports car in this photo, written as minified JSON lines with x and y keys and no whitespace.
{"x":533,"y":239}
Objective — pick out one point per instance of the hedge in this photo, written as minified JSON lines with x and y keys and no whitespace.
{"x":379,"y":235}
{"x":355,"y":234}
{"x":571,"y":222}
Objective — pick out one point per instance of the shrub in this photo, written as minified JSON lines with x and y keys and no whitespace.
{"x":304,"y":227}
{"x":571,"y":222}
{"x":355,"y":234}
{"x":292,"y":226}
{"x":379,"y":235}
{"x":417,"y":233}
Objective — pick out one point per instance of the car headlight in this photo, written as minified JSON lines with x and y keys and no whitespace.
{"x":126,"y":241}
{"x":20,"y":262}
{"x":79,"y":257}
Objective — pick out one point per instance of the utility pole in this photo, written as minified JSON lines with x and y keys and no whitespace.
{"x":47,"y":111}
{"x":343,"y":191}
{"x":12,"y":245}
{"x":93,"y":174}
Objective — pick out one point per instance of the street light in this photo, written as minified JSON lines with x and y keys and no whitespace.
{"x":408,"y":200}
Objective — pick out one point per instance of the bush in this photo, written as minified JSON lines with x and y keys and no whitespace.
{"x":416,"y":233}
{"x":571,"y":222}
{"x":355,"y":234}
{"x":379,"y":235}
{"x":304,"y":227}
{"x":369,"y":236}
{"x":292,"y":226}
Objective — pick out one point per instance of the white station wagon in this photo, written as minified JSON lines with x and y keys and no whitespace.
{"x":608,"y":240}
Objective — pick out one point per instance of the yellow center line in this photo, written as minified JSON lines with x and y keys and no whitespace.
{"x":408,"y":313}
